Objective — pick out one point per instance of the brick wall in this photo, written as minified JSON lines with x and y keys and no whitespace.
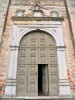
{"x":71,"y":10}
{"x":70,"y":6}
{"x":3,"y":13}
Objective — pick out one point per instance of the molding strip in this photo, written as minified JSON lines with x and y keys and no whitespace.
{"x":23,"y":18}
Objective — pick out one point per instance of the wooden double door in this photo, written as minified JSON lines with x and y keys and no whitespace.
{"x":37,"y":72}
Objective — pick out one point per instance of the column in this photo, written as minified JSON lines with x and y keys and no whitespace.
{"x":10,"y":88}
{"x":64,"y":87}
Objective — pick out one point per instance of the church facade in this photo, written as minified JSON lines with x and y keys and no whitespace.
{"x":37,"y":50}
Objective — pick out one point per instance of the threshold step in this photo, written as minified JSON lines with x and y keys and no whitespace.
{"x":40,"y":98}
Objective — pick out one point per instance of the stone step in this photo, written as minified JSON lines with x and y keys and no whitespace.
{"x":40,"y":98}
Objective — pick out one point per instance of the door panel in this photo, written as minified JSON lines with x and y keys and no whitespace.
{"x":45,"y":79}
{"x":53,"y":80}
{"x":32,"y":80}
{"x":42,"y":56}
{"x":33,"y":53}
{"x":23,"y":56}
{"x":22,"y":80}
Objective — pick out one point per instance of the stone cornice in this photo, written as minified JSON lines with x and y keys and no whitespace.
{"x":15,"y":18}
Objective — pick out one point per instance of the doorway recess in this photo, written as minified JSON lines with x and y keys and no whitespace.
{"x":42,"y":78}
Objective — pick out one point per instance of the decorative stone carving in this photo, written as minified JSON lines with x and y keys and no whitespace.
{"x":42,"y":40}
{"x":42,"y":52}
{"x":37,"y":12}
{"x":54,"y":14}
{"x":33,"y":52}
{"x":54,"y":89}
{"x":53,"y":60}
{"x":54,"y":79}
{"x":21,"y":79}
{"x":33,"y":40}
{"x":54,"y":70}
{"x":37,"y":7}
{"x":33,"y":70}
{"x":32,"y":88}
{"x":51,"y":42}
{"x":42,"y":59}
{"x":23,"y":52}
{"x":24,"y":42}
{"x":20,"y":90}
{"x":22,"y":60}
{"x":22,"y":69}
{"x":20,"y":12}
{"x":32,"y":78}
{"x":32,"y":59}
{"x":52,"y":51}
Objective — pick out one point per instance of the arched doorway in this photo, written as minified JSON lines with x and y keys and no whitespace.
{"x":37,"y":72}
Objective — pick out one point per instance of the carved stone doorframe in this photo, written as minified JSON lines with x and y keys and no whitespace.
{"x":18,"y":32}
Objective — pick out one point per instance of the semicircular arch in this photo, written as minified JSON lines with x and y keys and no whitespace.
{"x":24,"y":32}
